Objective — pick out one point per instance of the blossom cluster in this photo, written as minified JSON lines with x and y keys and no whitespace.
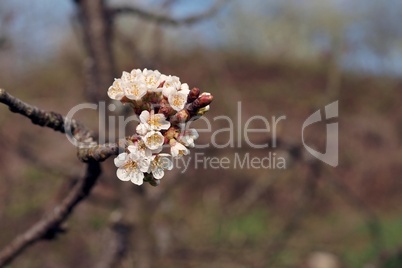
{"x":164,"y":106}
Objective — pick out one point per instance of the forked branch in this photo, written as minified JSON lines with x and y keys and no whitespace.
{"x":50,"y":225}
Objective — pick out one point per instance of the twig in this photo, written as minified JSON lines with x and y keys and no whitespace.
{"x":166,"y":20}
{"x":98,"y":152}
{"x":280,"y":241}
{"x":61,"y":124}
{"x":118,"y":243}
{"x":51,"y":224}
{"x":372,"y":221}
{"x":97,"y":39}
{"x":43,"y":118}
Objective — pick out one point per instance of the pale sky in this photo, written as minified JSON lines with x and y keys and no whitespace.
{"x":39,"y":26}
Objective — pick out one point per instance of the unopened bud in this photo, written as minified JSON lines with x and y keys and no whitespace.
{"x":203,"y":110}
{"x":180,"y":117}
{"x":202,"y":101}
{"x":172,"y":132}
{"x":154,"y":97}
{"x":166,"y":109}
{"x":193,"y":95}
{"x":205,"y":99}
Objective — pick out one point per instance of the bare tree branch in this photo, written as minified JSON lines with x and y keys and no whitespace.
{"x":97,"y":39}
{"x":43,"y":118}
{"x":98,"y":153}
{"x":60,"y":123}
{"x":306,"y":197}
{"x":118,"y":242}
{"x":372,"y":221}
{"x":51,"y":224}
{"x":163,"y":19}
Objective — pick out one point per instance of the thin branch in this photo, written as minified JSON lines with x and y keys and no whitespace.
{"x":98,"y":153}
{"x":51,"y":224}
{"x":118,"y":242}
{"x":43,"y":118}
{"x":372,"y":221}
{"x":61,"y":124}
{"x":97,"y":39}
{"x":280,"y":241}
{"x":166,"y":20}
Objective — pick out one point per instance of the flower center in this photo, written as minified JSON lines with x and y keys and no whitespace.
{"x":177,"y":101}
{"x":135,"y":90}
{"x":142,"y":146}
{"x":154,"y":139}
{"x":130,"y":166}
{"x":154,"y":121}
{"x":151,"y":81}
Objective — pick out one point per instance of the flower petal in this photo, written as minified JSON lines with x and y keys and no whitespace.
{"x":158,"y":173}
{"x":116,"y":91}
{"x":154,"y":140}
{"x":165,"y":162}
{"x":184,"y":88}
{"x":168,"y":90}
{"x":144,"y":163}
{"x":135,"y":90}
{"x":144,"y":117}
{"x":177,"y":149}
{"x":142,"y":129}
{"x":177,"y":100}
{"x":122,"y":174}
{"x":120,"y":160}
{"x":137,"y":177}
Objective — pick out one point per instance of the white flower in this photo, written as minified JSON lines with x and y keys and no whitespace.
{"x":159,"y":164}
{"x":136,"y":74}
{"x":184,"y":88}
{"x":154,"y":140}
{"x":171,"y":85}
{"x":177,"y":100}
{"x":140,"y":149}
{"x":126,"y":77}
{"x":131,"y":166}
{"x":152,"y":79}
{"x":188,"y":137}
{"x":116,"y":91}
{"x":143,"y":149}
{"x":135,"y":90}
{"x":168,"y":91}
{"x":177,"y":149}
{"x":154,"y":121}
{"x":142,"y":129}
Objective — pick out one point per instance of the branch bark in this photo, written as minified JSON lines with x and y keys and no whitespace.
{"x":51,"y":225}
{"x":97,"y":33}
{"x":166,"y":20}
{"x":43,"y":118}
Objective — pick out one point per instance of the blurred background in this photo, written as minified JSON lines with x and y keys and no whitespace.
{"x":277,"y":58}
